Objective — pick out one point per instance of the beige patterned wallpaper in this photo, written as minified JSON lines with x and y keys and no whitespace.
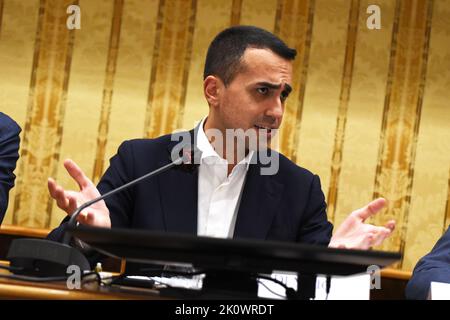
{"x":369,"y":113}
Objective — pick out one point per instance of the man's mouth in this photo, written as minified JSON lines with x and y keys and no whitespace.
{"x":263,"y":127}
{"x":268,"y":131}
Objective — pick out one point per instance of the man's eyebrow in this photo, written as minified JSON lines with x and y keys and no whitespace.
{"x":275,"y":86}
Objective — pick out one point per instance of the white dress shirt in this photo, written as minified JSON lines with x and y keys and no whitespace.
{"x":218,"y":192}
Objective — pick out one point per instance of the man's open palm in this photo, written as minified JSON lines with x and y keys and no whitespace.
{"x":353,"y":233}
{"x":95,"y":215}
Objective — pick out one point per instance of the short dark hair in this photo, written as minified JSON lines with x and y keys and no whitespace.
{"x":226,"y":50}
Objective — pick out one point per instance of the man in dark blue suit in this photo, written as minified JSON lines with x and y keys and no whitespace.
{"x":435,"y":266}
{"x":9,"y":153}
{"x":247,"y":79}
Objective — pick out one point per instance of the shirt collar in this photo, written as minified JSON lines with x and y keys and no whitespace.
{"x":207,"y":149}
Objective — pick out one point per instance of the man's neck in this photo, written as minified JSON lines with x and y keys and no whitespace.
{"x":232,"y":158}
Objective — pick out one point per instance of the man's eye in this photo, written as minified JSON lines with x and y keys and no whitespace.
{"x":284,"y":96}
{"x":263,"y":90}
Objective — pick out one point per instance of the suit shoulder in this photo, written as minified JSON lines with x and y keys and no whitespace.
{"x":161,"y":141}
{"x":155,"y":146}
{"x":290,"y":169}
{"x":8,"y":126}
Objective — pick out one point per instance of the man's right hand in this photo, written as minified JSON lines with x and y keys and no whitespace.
{"x":96,"y":215}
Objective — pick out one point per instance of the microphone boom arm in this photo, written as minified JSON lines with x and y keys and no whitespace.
{"x":75,"y":214}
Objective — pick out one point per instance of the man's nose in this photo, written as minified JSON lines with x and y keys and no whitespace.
{"x":275,"y":111}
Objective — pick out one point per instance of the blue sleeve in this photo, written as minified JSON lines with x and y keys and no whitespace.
{"x":435,"y":266}
{"x":9,"y":154}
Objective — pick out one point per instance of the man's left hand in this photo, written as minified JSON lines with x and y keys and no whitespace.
{"x":353,"y":233}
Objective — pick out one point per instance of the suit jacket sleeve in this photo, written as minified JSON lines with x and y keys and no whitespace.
{"x":315,"y":227}
{"x":435,"y":266}
{"x":9,"y":153}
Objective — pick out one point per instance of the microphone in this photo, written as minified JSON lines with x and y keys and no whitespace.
{"x":41,"y":257}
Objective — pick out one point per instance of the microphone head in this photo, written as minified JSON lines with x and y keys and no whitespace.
{"x":189,"y":158}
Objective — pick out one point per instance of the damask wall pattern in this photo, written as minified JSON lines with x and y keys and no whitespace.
{"x":369,"y":113}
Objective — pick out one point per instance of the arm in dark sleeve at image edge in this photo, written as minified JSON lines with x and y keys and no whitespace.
{"x":9,"y":154}
{"x":435,"y":266}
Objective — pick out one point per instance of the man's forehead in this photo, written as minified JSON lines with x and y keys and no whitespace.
{"x":264,"y":65}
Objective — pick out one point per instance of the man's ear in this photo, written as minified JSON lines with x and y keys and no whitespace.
{"x":212,"y":88}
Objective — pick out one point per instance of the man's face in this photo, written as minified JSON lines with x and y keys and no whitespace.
{"x":255,"y":98}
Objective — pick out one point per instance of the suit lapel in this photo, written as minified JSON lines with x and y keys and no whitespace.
{"x":260,"y":199}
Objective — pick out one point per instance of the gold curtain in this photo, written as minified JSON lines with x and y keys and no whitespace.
{"x":369,"y":112}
